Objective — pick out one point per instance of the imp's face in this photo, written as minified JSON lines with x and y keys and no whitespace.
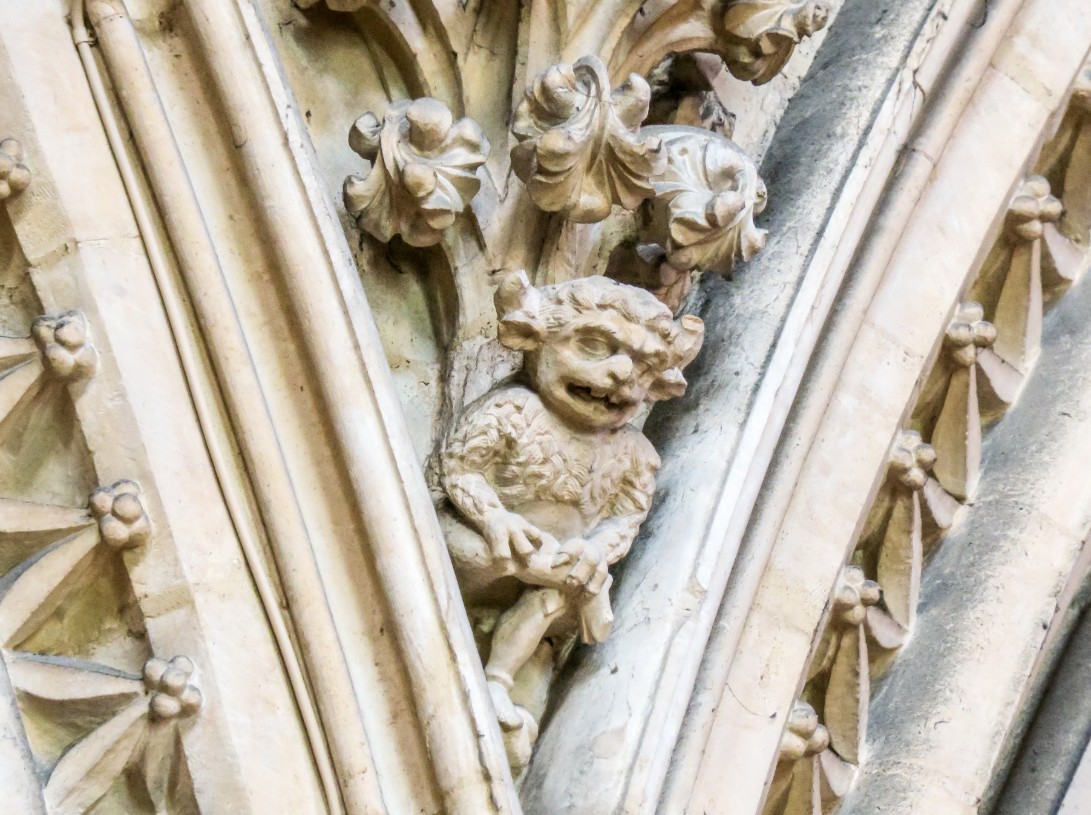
{"x":595,"y":372}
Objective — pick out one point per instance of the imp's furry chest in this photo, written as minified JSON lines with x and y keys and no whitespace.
{"x":547,"y":461}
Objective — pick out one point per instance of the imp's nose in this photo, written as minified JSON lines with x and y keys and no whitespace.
{"x":619,"y":368}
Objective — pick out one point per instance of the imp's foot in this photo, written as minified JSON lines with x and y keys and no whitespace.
{"x":519,"y":743}
{"x":506,"y":713}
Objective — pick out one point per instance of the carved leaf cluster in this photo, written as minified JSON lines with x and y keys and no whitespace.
{"x":422,"y":171}
{"x":987,"y":362}
{"x":132,"y":736}
{"x":50,"y":557}
{"x":580,"y":151}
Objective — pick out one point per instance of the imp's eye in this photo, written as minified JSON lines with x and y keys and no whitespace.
{"x":595,"y":346}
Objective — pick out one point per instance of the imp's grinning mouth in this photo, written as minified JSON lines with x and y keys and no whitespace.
{"x":591,"y":395}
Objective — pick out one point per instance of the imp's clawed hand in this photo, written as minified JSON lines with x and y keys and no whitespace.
{"x":589,"y":566}
{"x":576,"y":565}
{"x":508,"y":533}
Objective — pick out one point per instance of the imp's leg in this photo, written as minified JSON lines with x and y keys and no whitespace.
{"x":518,"y":633}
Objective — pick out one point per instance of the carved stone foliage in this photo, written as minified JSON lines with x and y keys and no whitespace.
{"x":51,"y":557}
{"x":817,"y":762}
{"x":762,"y":34}
{"x":33,"y":372}
{"x":588,"y":190}
{"x":701,"y":218}
{"x":58,"y":570}
{"x":546,"y":481}
{"x":422,"y":171}
{"x":580,"y":151}
{"x":137,"y":742}
{"x":957,"y":430}
{"x":756,"y":38}
{"x":797,"y":782}
{"x":14,"y":175}
{"x":1032,"y":215}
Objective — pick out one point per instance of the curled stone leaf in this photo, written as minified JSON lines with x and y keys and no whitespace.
{"x":580,"y":149}
{"x":760,"y":35}
{"x":422,"y":171}
{"x":14,"y":176}
{"x":705,"y":201}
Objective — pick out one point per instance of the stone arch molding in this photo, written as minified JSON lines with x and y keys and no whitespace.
{"x":475,"y":329}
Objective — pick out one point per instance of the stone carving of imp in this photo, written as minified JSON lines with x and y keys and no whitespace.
{"x":547,"y":481}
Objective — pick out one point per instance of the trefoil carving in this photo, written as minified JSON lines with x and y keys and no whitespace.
{"x":66,"y":350}
{"x":14,"y":175}
{"x":174,"y":692}
{"x":122,"y":521}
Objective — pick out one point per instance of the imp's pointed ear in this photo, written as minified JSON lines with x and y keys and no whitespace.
{"x":668,"y":385}
{"x":691,"y":334}
{"x":518,"y":307}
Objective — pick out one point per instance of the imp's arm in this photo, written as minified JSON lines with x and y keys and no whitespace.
{"x":473,"y":451}
{"x":477,"y":447}
{"x":629,"y":507}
